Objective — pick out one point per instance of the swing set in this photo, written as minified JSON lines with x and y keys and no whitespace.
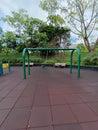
{"x":26,"y":51}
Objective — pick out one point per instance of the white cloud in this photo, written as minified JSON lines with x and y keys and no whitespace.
{"x":32,"y":6}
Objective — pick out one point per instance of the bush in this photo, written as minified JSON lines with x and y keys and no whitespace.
{"x":94,"y":61}
{"x":17,"y":60}
{"x":91,"y":60}
{"x":81,"y":47}
{"x":87,"y":61}
{"x":4,"y":60}
{"x":20,"y":47}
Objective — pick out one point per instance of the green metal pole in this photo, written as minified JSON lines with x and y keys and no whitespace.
{"x":24,"y":67}
{"x":79,"y":60}
{"x":28,"y":64}
{"x":9,"y":66}
{"x":1,"y":68}
{"x":71,"y":61}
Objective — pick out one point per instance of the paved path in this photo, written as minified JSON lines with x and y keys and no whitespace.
{"x":49,"y":99}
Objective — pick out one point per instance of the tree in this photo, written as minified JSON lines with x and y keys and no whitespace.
{"x":81,"y":47}
{"x":17,"y":20}
{"x":10,"y":40}
{"x":24,"y":27}
{"x":82,"y":15}
{"x":55,"y":34}
{"x":32,"y":26}
{"x":40,"y":39}
{"x":1,"y":35}
{"x":1,"y":38}
{"x":55,"y":20}
{"x":33,"y":32}
{"x":49,"y":5}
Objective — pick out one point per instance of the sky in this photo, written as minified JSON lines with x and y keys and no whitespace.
{"x":32,"y":6}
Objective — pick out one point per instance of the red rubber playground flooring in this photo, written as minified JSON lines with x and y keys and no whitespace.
{"x":49,"y":99}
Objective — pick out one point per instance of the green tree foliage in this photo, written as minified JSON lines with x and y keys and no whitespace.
{"x":25,"y":28}
{"x":1,"y":38}
{"x":81,"y":47}
{"x":49,"y":5}
{"x":32,"y":26}
{"x":55,"y":34}
{"x":17,"y":20}
{"x":10,"y":40}
{"x":6,"y":51}
{"x":40,"y":39}
{"x":20,"y":47}
{"x":55,"y":20}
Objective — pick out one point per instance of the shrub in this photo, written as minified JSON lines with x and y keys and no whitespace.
{"x":16,"y":60}
{"x":94,"y":61}
{"x":20,"y":47}
{"x":91,"y":60}
{"x":87,"y":61}
{"x":4,"y":60}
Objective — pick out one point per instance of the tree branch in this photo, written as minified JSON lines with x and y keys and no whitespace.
{"x":91,"y":30}
{"x":92,"y":16}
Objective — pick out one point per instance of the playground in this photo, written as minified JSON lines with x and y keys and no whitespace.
{"x":49,"y":65}
{"x":49,"y":99}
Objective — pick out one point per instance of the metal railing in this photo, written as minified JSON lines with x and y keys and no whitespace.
{"x":26,"y":50}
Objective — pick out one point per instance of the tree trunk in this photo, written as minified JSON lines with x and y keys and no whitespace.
{"x":86,"y":42}
{"x":89,"y":48}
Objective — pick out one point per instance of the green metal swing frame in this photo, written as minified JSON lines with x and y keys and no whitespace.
{"x":26,"y":51}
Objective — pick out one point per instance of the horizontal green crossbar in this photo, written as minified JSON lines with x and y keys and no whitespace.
{"x":26,"y":50}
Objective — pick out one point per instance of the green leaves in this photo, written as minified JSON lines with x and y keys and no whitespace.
{"x":72,"y":13}
{"x":49,"y":5}
{"x":55,"y":20}
{"x":10,"y":39}
{"x":17,"y":20}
